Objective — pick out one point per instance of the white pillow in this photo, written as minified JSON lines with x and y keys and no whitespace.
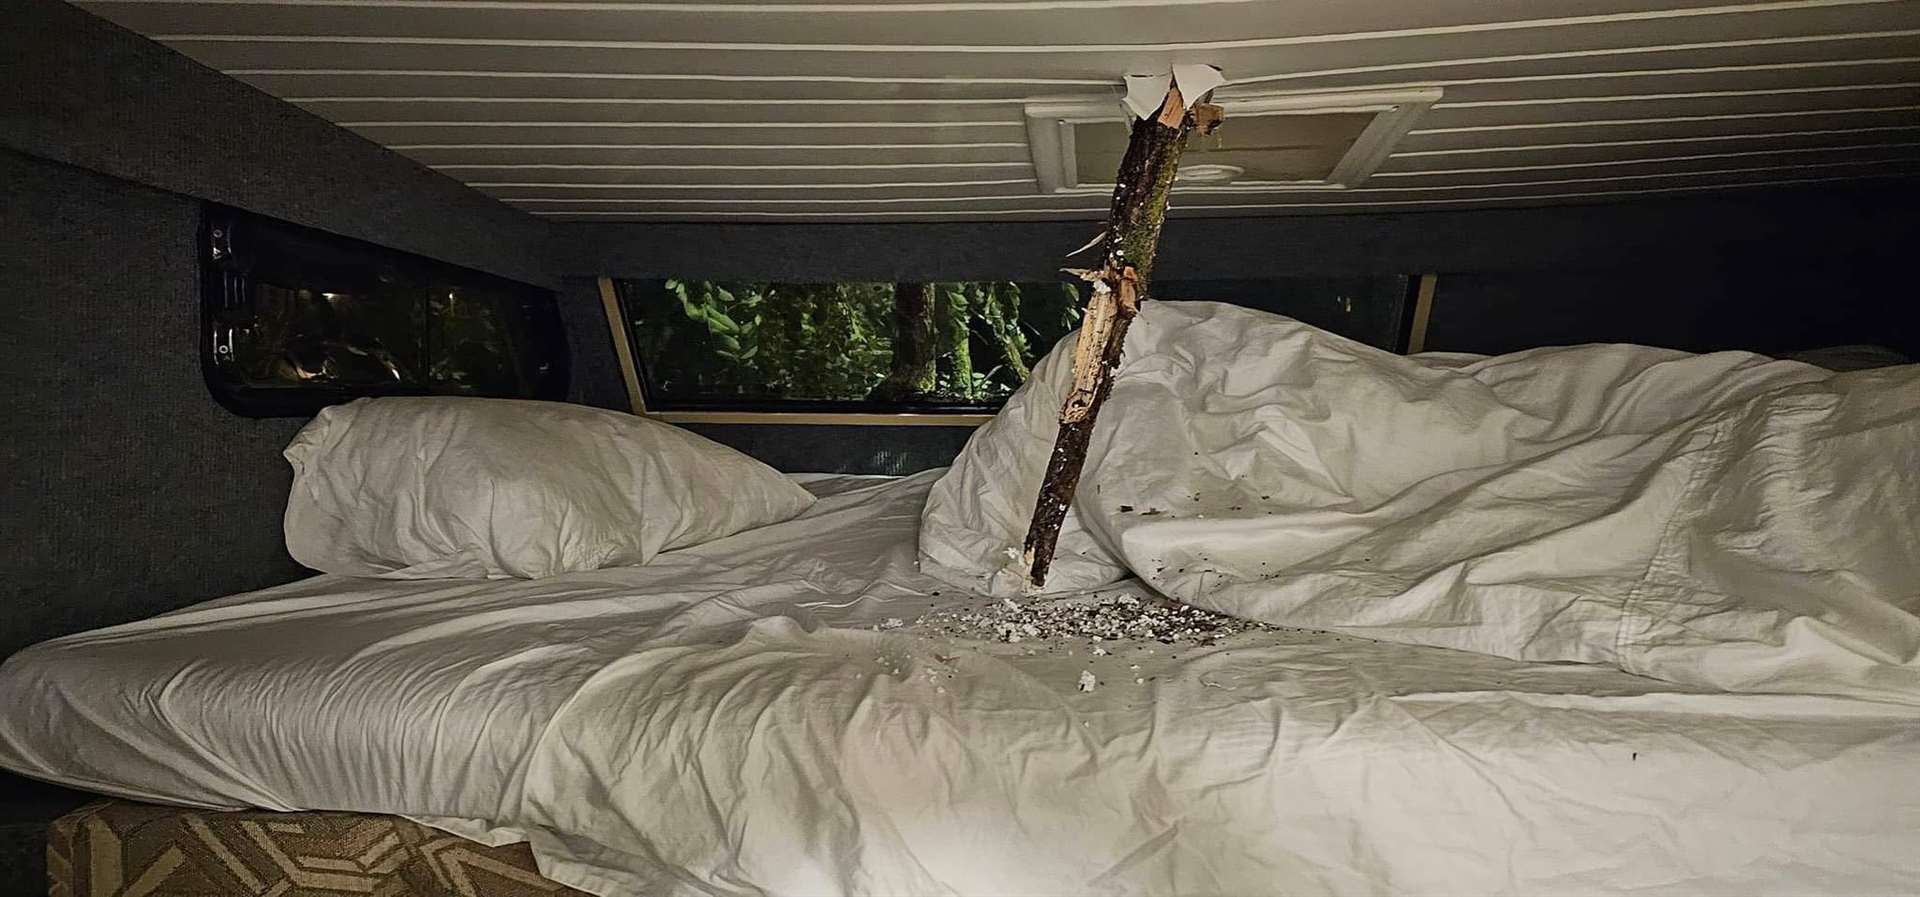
{"x":460,"y":487}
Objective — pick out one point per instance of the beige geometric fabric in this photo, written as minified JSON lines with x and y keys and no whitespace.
{"x":123,"y":849}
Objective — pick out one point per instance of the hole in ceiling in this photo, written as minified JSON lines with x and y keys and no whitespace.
{"x":1300,"y":141}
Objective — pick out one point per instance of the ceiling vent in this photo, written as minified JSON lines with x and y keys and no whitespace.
{"x":1296,"y":141}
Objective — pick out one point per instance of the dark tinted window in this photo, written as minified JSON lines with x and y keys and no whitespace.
{"x":296,"y":319}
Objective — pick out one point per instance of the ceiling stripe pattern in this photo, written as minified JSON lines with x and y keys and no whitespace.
{"x":835,"y":111}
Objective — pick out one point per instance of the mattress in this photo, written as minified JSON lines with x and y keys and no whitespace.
{"x":789,"y":710}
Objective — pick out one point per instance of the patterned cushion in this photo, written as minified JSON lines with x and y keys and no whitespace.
{"x":128,"y":849}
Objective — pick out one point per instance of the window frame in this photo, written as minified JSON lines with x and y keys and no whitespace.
{"x":223,"y":267}
{"x":1412,"y":339}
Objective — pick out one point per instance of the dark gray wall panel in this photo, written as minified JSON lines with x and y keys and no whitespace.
{"x":1826,"y":270}
{"x":811,"y":448}
{"x":127,"y":491}
{"x":1318,"y":245}
{"x":82,"y":91}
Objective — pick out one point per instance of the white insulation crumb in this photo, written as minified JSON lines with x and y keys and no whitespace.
{"x":1108,"y":618}
{"x":1087,"y":682}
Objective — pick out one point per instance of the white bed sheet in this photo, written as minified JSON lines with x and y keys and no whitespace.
{"x":723,"y":721}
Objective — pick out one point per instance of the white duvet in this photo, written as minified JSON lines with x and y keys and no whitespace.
{"x":724,"y":721}
{"x":1721,"y":520}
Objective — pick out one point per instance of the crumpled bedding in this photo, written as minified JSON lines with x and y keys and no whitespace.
{"x":763,"y":715}
{"x":1723,"y":520}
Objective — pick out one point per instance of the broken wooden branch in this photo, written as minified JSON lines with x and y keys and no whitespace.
{"x":1132,"y":238}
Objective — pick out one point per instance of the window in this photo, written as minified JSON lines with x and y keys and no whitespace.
{"x":957,"y":347}
{"x":297,"y":319}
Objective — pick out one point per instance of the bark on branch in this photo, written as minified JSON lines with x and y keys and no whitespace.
{"x":1119,"y":286}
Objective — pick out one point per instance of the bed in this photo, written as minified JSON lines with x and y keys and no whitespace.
{"x":798,"y":709}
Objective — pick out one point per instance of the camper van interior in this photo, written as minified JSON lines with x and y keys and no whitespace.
{"x":960,"y":447}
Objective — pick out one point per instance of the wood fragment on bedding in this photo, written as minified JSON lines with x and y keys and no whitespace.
{"x":1131,"y":239}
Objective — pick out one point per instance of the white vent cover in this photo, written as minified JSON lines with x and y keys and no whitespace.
{"x":1292,"y":140}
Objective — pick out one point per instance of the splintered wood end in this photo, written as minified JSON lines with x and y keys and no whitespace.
{"x":1174,"y":109}
{"x":1207,"y":117}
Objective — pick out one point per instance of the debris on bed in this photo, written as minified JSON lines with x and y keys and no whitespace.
{"x":1088,"y":682}
{"x":1111,"y":617}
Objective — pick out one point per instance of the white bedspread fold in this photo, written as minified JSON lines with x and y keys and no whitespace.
{"x":1721,"y":520}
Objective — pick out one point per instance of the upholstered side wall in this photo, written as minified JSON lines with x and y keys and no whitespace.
{"x":127,"y":491}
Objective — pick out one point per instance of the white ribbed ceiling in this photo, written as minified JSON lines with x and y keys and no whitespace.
{"x":599,"y":110}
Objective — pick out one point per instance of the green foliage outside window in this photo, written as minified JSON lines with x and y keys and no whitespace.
{"x":731,"y":344}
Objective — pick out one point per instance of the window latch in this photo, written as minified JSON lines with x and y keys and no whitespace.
{"x":223,"y":345}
